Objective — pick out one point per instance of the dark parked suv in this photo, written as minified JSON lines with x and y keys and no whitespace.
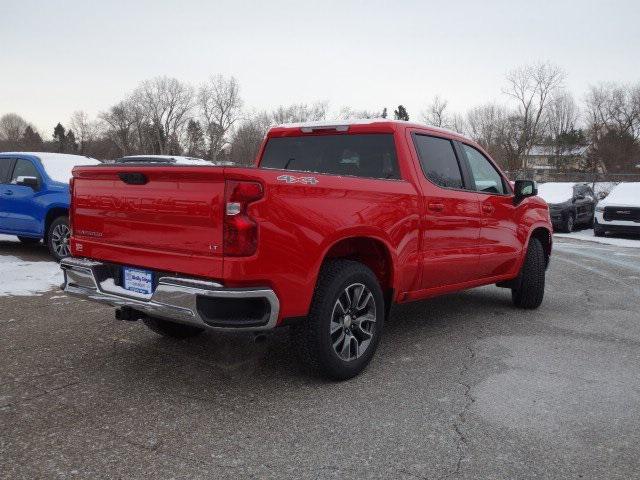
{"x":570,"y":204}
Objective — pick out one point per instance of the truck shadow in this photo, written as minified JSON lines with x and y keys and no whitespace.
{"x":37,"y":252}
{"x":210,"y":362}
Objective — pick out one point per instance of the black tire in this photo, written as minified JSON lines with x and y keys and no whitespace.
{"x":29,"y":240}
{"x":172,"y":329}
{"x":314,"y":339}
{"x":57,"y":238}
{"x":529,"y":291}
{"x":598,"y":231}
{"x":568,"y":224}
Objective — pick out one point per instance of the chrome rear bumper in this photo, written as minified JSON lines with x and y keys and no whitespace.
{"x":174,"y":298}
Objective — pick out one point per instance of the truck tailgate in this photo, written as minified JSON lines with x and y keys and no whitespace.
{"x":167,"y":218}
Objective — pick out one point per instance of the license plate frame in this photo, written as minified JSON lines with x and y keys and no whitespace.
{"x":137,"y":280}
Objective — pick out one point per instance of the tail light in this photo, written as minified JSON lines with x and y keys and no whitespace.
{"x":71,"y":209}
{"x":240,"y":230}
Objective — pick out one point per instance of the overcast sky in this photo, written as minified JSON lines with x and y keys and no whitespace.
{"x":57,"y":57}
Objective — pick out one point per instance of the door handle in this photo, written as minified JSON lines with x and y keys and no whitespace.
{"x":8,"y":192}
{"x":488,"y":208}
{"x":436,"y":207}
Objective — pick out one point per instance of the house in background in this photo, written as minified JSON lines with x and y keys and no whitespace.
{"x":542,"y":159}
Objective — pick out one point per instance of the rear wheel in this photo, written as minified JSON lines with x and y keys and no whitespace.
{"x":569,"y":224}
{"x":58,"y":238}
{"x":342,"y":331}
{"x":172,"y":329}
{"x":29,"y":240}
{"x":529,"y":290}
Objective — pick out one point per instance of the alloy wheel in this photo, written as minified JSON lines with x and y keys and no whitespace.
{"x":60,"y":240}
{"x":353,"y":321}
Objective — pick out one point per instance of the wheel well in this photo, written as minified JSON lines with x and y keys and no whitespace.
{"x":370,"y":252}
{"x":544,"y":236}
{"x":51,"y":216}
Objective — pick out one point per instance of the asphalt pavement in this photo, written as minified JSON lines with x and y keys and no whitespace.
{"x":463,"y":386}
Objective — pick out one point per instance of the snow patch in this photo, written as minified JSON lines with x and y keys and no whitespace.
{"x":623,"y":195}
{"x":556,"y":192}
{"x":24,"y":278}
{"x":8,"y":238}
{"x":587,"y":235}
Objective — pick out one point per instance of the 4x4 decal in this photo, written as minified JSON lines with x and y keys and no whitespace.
{"x":292,"y":179}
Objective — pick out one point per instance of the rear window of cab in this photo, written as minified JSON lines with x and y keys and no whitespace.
{"x":363,"y":155}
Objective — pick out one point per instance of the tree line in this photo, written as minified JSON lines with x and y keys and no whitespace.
{"x":166,"y":116}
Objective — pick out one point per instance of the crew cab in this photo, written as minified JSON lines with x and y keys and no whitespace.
{"x":334,"y":224}
{"x":34,"y":197}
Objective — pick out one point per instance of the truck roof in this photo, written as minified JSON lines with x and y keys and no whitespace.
{"x":363,"y":125}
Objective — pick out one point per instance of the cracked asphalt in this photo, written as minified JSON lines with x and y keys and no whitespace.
{"x":463,"y":386}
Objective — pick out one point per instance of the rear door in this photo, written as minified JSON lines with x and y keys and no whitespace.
{"x":6,"y":167}
{"x":499,"y":246}
{"x":450,"y":220}
{"x":22,"y":211}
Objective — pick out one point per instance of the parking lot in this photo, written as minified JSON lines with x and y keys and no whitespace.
{"x":462,"y":386}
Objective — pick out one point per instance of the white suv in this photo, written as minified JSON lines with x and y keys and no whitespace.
{"x":620,"y":211}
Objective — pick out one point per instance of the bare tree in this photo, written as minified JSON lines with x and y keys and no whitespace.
{"x":246,"y":139}
{"x":347,"y":113}
{"x":531,"y":87}
{"x":12,"y":127}
{"x":300,"y":112}
{"x":613,"y":118}
{"x":435,"y":113}
{"x":84,"y":128}
{"x":119,"y":126}
{"x":220,"y":104}
{"x":562,"y":114}
{"x":166,"y":103}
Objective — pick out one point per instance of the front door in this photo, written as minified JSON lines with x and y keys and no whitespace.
{"x":450,"y":221}
{"x":499,"y":245}
{"x":22,"y":213}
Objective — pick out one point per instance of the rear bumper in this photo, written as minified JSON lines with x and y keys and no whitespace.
{"x":190,"y":301}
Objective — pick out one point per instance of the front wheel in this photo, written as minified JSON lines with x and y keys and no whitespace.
{"x":58,"y":238}
{"x":529,"y":291}
{"x":343,"y":328}
{"x":598,"y":231}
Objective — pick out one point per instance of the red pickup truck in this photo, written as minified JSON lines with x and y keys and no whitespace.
{"x":333,"y":225}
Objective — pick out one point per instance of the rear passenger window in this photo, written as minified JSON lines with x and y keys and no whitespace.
{"x":5,"y":166}
{"x":485,"y":177}
{"x":438,"y":161}
{"x":367,"y":155}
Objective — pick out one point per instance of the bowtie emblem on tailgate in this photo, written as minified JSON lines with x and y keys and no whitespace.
{"x":293,"y":179}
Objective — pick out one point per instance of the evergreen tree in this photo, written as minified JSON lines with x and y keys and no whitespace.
{"x":59,"y":136}
{"x":401,"y":113}
{"x":195,"y":139}
{"x":31,"y":140}
{"x":384,"y":112}
{"x":70,"y":144}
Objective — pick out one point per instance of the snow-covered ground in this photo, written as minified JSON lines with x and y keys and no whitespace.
{"x":23,"y":277}
{"x":587,"y":235}
{"x":26,"y":277}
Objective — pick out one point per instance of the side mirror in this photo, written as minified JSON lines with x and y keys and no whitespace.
{"x":523,"y":189}
{"x":31,"y":182}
